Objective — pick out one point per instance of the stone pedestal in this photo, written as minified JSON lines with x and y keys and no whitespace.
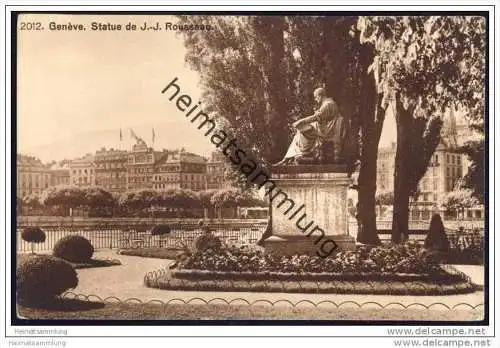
{"x":309,"y":210}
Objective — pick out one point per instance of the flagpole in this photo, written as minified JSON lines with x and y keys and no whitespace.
{"x":121,"y":140}
{"x":153,"y":137}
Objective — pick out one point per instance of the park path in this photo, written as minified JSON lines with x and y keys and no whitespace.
{"x":126,"y":281}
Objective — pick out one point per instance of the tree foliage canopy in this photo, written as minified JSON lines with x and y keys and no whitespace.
{"x":459,"y":200}
{"x":435,"y":62}
{"x":475,"y":178}
{"x":66,"y":196}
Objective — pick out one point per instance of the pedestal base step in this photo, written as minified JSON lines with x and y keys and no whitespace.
{"x":293,"y":244}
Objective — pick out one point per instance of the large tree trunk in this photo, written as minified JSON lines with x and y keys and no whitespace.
{"x":371,"y":129}
{"x":367,"y":180}
{"x":402,"y":166}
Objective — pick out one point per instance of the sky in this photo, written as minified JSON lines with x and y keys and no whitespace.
{"x":77,"y":89}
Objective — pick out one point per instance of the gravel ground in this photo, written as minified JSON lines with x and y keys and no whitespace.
{"x":126,"y":281}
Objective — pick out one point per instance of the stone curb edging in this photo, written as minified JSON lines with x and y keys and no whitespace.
{"x":242,"y":301}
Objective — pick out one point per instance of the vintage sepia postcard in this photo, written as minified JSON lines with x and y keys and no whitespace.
{"x":253,"y":168}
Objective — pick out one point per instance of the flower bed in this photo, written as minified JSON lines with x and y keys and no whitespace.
{"x":410,"y":258}
{"x":396,"y":270}
{"x":446,"y":283}
{"x":414,"y":288}
{"x":442,"y":276}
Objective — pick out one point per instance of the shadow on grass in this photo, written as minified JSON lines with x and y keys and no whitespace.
{"x":65,"y":305}
{"x":77,"y":265}
{"x":96,"y":263}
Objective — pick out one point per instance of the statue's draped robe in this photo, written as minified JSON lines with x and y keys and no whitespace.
{"x":328,"y":127}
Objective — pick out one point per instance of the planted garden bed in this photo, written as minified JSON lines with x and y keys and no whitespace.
{"x":372,"y":287}
{"x":442,"y":276}
{"x":398,"y":270}
{"x":410,"y":258}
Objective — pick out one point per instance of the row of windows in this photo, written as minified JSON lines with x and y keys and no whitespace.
{"x":192,"y":177}
{"x":165,"y":186}
{"x":61,"y":181}
{"x":167,"y":178}
{"x":82,"y":180}
{"x":111,"y":175}
{"x":140,"y":170}
{"x":34,"y":176}
{"x":169,"y":168}
{"x":110,"y":165}
{"x":425,"y":184}
{"x":195,"y":185}
{"x":140,"y":179}
{"x":428,"y":197}
{"x":140,"y":159}
{"x":453,"y":159}
{"x":84,"y":171}
{"x":453,"y":172}
{"x":35,"y":185}
{"x":110,"y":181}
{"x":109,"y":158}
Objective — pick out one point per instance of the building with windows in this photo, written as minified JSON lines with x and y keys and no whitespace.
{"x":82,"y":171}
{"x":110,"y":170}
{"x":140,"y":166}
{"x":215,"y":172}
{"x":181,"y":169}
{"x":60,"y":174}
{"x":32,"y":176}
{"x":445,"y":168}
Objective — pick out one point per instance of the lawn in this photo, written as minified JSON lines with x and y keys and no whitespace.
{"x":75,"y":309}
{"x":156,"y":253}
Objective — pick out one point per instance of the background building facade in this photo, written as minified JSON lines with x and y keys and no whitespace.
{"x":32,"y":176}
{"x":182,"y":170}
{"x":140,"y":166}
{"x":445,"y":169}
{"x":215,"y":172}
{"x":110,"y":170}
{"x":82,"y":171}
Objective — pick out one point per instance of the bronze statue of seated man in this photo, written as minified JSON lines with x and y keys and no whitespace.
{"x":319,"y":138}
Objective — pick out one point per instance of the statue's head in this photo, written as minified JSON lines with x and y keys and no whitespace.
{"x":319,"y":95}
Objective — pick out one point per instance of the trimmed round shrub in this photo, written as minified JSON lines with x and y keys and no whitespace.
{"x":208,"y":241}
{"x":74,"y":249}
{"x":33,"y":235}
{"x":40,"y":278}
{"x":160,"y":230}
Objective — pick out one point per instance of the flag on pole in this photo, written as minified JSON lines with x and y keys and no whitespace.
{"x":153,"y":135}
{"x":133,"y":135}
